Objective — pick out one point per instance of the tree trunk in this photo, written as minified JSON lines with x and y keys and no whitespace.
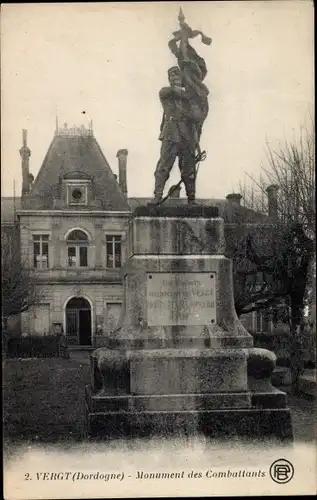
{"x":5,"y":338}
{"x":297,"y":364}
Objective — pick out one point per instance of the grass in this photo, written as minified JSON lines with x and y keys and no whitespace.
{"x":43,"y":400}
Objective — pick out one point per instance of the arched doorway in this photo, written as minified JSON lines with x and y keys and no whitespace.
{"x":78,"y":321}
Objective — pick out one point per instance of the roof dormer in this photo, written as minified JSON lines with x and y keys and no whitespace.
{"x":76,"y":189}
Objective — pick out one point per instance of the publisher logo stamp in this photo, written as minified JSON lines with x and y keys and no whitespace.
{"x":281,"y":471}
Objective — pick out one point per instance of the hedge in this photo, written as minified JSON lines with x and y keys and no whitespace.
{"x":280,"y":344}
{"x":35,"y":346}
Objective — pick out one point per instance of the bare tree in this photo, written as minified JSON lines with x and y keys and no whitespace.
{"x":268,"y":274}
{"x":290,"y":166}
{"x":289,"y":267}
{"x":18,"y":288}
{"x":254,"y":196}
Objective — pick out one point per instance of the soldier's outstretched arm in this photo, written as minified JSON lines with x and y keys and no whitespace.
{"x":166,"y":93}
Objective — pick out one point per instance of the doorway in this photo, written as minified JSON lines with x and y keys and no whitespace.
{"x":78,"y":321}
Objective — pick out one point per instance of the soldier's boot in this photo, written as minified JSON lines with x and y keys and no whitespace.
{"x":156,"y":200}
{"x":160,"y":180}
{"x":190,"y":188}
{"x":191,"y":200}
{"x":158,"y":194}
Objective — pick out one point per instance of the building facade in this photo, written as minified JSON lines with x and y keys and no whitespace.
{"x":72,"y":223}
{"x":72,"y":229}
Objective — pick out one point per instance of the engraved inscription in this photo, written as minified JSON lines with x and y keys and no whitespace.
{"x":181,"y":299}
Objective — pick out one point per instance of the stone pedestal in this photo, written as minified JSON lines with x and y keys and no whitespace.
{"x":181,"y":361}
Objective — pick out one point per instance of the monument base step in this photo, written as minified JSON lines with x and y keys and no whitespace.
{"x":250,"y":414}
{"x":252,"y":423}
{"x":272,"y":398}
{"x":209,"y":342}
{"x":166,"y":402}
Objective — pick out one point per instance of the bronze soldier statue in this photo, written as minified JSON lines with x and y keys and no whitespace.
{"x":185,"y":105}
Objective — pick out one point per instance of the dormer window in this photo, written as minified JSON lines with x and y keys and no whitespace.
{"x":77,"y":194}
{"x":77,"y":188}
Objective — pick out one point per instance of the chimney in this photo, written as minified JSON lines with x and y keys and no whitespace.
{"x":272,"y":191}
{"x":234,"y":198}
{"x":122,"y":158}
{"x":25,"y":153}
{"x":31,"y":180}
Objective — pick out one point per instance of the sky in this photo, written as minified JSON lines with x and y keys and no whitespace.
{"x":110,"y":60}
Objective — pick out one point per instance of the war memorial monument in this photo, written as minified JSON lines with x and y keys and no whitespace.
{"x":180,"y":361}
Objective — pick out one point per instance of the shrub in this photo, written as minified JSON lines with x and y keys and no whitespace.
{"x":280,"y":344}
{"x":37,"y":346}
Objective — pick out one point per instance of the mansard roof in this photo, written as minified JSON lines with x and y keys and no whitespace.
{"x":75,"y":153}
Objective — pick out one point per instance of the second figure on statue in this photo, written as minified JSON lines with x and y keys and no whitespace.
{"x":185,"y":105}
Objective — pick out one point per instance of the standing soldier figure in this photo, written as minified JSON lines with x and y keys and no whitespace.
{"x":185,"y":106}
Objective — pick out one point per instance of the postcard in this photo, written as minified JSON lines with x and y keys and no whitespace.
{"x":158,"y":249}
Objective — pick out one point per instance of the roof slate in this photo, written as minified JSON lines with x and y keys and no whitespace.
{"x":81,"y":154}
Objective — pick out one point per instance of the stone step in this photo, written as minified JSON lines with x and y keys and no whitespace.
{"x":256,"y":423}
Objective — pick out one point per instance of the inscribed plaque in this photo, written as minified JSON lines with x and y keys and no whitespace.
{"x":181,"y":299}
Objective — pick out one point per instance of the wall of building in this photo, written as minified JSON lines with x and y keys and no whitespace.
{"x":56,"y":297}
{"x":101,"y":286}
{"x":260,"y":321}
{"x":58,"y":227}
{"x":59,"y":283}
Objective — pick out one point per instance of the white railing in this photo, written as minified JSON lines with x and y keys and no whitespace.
{"x":74,"y":131}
